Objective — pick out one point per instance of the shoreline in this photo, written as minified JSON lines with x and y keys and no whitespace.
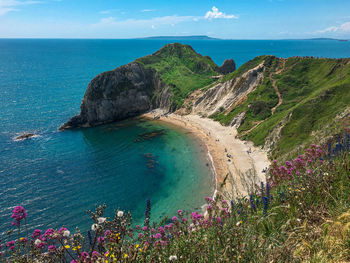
{"x":237,"y":164}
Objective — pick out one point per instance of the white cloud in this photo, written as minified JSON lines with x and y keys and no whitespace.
{"x":215,"y":14}
{"x":12,"y":5}
{"x":147,"y":10}
{"x":343,"y":28}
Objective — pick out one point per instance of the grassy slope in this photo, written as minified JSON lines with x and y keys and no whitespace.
{"x":181,"y":68}
{"x":314,"y":90}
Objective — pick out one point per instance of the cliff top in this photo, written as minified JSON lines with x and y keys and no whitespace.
{"x":182,"y":68}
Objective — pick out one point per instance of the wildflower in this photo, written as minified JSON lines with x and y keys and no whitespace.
{"x":76,"y":248}
{"x":101,"y":220}
{"x":100,"y":239}
{"x":49,"y":233}
{"x":10,"y":244}
{"x":138,"y":227}
{"x":120,"y":213}
{"x":51,"y":248}
{"x":66,"y":233}
{"x":239,"y":223}
{"x":125,"y":255}
{"x":23,"y":240}
{"x":266,"y":204}
{"x":107,"y":233}
{"x":36,"y":233}
{"x":37,"y":242}
{"x":219,"y":220}
{"x":94,"y":227}
{"x":140,"y":236}
{"x":144,"y":228}
{"x":18,"y":214}
{"x":179,"y":212}
{"x":184,"y":219}
{"x":66,"y":246}
{"x":174,"y":218}
{"x":172,"y":258}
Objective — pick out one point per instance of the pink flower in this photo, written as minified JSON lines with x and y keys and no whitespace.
{"x":174,"y":218}
{"x":48,"y":233}
{"x":184,"y":219}
{"x":140,"y":236}
{"x":51,"y":248}
{"x":144,"y":228}
{"x":36,"y":233}
{"x":179,"y":212}
{"x":100,"y":239}
{"x":18,"y":214}
{"x":138,"y":227}
{"x":10,"y":244}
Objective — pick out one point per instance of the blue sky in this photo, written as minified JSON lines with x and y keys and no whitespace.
{"x":229,"y":19}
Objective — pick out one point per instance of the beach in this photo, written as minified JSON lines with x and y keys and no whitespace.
{"x":239,"y":165}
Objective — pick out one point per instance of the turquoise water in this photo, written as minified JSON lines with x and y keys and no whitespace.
{"x":59,"y":175}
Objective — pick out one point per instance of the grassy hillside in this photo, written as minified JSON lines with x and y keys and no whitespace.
{"x":182,"y":69}
{"x":314,"y":91}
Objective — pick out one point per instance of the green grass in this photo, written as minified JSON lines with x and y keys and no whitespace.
{"x":314,"y":91}
{"x":180,"y":67}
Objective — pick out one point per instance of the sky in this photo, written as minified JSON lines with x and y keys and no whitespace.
{"x":228,"y":19}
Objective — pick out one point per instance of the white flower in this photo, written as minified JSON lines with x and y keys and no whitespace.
{"x":66,"y":233}
{"x":298,"y":219}
{"x":238,"y":223}
{"x":120,"y":213}
{"x":101,"y":220}
{"x":37,"y":242}
{"x":94,"y":227}
{"x":172,"y":258}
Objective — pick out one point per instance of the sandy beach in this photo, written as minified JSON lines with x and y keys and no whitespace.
{"x":238,"y":164}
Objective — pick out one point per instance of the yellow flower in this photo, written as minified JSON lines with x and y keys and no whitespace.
{"x":66,"y":246}
{"x":76,"y":248}
{"x":137,"y":245}
{"x":125,"y":255}
{"x":141,"y":250}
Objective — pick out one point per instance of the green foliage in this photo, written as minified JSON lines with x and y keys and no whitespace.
{"x":180,"y":67}
{"x":314,"y":92}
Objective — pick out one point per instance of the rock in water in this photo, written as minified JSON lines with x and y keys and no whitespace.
{"x":227,"y":67}
{"x":24,"y":136}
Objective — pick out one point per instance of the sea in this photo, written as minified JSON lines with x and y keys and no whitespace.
{"x":58,"y":176}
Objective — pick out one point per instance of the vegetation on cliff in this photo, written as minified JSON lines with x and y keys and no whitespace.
{"x":181,"y":68}
{"x":301,"y":215}
{"x":313,"y":92}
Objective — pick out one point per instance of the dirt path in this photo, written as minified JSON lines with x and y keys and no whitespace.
{"x":280,"y":99}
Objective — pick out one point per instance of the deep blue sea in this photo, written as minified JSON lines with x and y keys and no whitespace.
{"x":59,"y":175}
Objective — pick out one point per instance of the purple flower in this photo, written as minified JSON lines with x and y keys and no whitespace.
{"x":184,"y":219}
{"x":19,"y":213}
{"x":36,"y":233}
{"x":174,"y":218}
{"x":51,"y":248}
{"x":144,"y":228}
{"x":140,"y":236}
{"x":179,"y":212}
{"x":84,"y":254}
{"x":138,"y":227}
{"x":100,"y":239}
{"x":107,"y":233}
{"x":10,"y":244}
{"x":48,"y":233}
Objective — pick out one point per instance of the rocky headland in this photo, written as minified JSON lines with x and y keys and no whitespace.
{"x":280,"y":105}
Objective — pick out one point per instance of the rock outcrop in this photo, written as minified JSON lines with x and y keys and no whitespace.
{"x":227,"y":67}
{"x":125,"y":92}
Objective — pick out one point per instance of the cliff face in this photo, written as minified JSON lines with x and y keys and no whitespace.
{"x":119,"y":94}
